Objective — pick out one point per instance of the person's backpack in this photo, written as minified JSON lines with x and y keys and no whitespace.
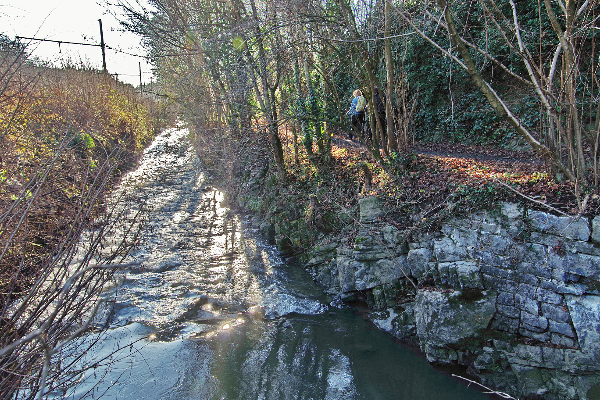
{"x":361,"y":102}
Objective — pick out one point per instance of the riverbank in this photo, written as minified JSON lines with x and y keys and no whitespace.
{"x":446,"y":262}
{"x":213,"y":312}
{"x":68,"y":136}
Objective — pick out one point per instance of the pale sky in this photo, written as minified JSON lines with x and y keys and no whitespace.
{"x":74,"y":21}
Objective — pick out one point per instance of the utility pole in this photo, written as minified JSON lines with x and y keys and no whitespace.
{"x":141,"y":87}
{"x":103,"y":46}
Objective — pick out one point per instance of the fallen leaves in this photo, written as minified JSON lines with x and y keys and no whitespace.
{"x":436,"y":171}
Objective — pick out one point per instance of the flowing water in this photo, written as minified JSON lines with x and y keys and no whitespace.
{"x":213,"y":313}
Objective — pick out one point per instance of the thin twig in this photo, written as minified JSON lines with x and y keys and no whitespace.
{"x":45,"y":368}
{"x":38,"y":332}
{"x":489,"y":391}
{"x":531,"y":199}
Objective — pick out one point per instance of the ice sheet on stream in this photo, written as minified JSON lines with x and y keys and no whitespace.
{"x":202,"y":276}
{"x":279,"y":364}
{"x":128,"y":366}
{"x":213,"y":313}
{"x":199,"y":264}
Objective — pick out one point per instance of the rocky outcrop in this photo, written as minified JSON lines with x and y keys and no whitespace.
{"x":443,"y":320}
{"x":512,"y":294}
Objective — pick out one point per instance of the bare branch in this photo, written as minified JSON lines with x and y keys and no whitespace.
{"x":530,"y":198}
{"x":489,"y":391}
{"x":528,"y":65}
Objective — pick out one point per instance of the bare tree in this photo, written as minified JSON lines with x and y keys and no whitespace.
{"x":53,"y":190}
{"x":392,"y":142}
{"x":555,"y":77}
{"x":233,"y":36}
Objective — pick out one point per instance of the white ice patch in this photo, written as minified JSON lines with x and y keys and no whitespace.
{"x":280,"y":304}
{"x":386,"y":324}
{"x":340,"y":383}
{"x":129,"y":366}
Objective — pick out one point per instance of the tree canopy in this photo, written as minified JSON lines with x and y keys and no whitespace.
{"x":508,"y":73}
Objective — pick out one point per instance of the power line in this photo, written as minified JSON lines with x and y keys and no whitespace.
{"x":83,"y":44}
{"x":116,"y":50}
{"x":143,"y":73}
{"x":102,"y":45}
{"x":151,"y":57}
{"x":57,"y":41}
{"x":125,"y":52}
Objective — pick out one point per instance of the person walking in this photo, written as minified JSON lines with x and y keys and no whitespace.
{"x":357,"y":112}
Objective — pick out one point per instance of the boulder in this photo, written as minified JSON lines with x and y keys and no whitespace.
{"x":443,"y":319}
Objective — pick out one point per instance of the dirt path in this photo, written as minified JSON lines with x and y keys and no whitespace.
{"x":453,"y":150}
{"x":437,"y":168}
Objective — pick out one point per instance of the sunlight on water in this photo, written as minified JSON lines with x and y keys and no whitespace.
{"x":267,"y":262}
{"x":179,"y":217}
{"x":340,"y":383}
{"x":214,"y":313}
{"x":200,"y":180}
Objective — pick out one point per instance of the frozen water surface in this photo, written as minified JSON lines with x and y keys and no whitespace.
{"x":213,"y":313}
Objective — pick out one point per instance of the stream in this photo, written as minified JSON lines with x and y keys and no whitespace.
{"x":214,"y":313}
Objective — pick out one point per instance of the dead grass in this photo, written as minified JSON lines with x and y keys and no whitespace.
{"x":66,"y":138}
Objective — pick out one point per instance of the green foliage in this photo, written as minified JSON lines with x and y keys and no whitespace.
{"x":399,"y":162}
{"x":359,"y":240}
{"x":82,"y":140}
{"x":451,"y":108}
{"x":482,"y":197}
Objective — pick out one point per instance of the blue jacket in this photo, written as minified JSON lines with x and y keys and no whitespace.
{"x":354,"y":104}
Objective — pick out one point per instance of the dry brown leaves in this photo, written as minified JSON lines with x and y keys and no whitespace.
{"x":435,"y":171}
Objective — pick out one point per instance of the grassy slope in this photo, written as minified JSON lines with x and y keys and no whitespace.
{"x":90,"y":125}
{"x":420,"y":188}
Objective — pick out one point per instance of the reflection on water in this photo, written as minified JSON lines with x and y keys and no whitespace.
{"x":214,"y":313}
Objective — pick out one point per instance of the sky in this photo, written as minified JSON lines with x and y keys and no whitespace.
{"x":75,"y":21}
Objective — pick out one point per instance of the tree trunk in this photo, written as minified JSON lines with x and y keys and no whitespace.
{"x":301,"y":103}
{"x":313,"y":109}
{"x":378,"y":128}
{"x":492,"y":97}
{"x":374,"y":145}
{"x":270,"y":103}
{"x":392,"y":143}
{"x":274,"y":137}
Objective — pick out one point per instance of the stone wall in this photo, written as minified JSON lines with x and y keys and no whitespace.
{"x":512,"y":294}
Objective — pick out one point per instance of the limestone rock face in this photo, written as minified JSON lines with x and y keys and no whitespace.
{"x":419,"y":261}
{"x":370,"y":209}
{"x":399,"y":322}
{"x":443,"y":319}
{"x":373,"y":260}
{"x":585,"y":312}
{"x":511,"y":293}
{"x":596,"y":229}
{"x":569,"y":227}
